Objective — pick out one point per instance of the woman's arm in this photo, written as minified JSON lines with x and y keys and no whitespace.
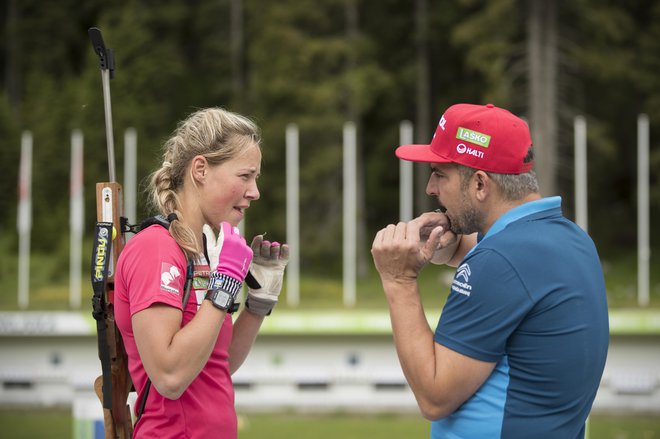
{"x":268,"y":263}
{"x":173,"y":356}
{"x":246,"y":328}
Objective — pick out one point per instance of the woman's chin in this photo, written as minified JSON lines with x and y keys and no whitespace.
{"x":235,"y":218}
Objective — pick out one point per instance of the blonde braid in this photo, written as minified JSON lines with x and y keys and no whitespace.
{"x":166,"y":200}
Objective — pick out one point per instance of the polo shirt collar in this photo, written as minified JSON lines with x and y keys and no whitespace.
{"x":519,"y":212}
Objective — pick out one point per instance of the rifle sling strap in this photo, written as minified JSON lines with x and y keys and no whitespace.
{"x":101,"y":254}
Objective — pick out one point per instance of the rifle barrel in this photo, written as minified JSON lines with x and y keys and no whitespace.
{"x":105,"y":76}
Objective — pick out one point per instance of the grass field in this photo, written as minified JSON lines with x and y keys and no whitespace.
{"x":57,"y":424}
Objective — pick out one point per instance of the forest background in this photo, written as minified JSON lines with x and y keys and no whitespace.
{"x":320,"y":63}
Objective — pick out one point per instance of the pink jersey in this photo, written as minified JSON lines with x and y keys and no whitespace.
{"x":152,"y":269}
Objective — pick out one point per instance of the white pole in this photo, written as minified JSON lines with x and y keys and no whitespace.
{"x":293,"y":215}
{"x":643,"y":217}
{"x":580,"y":139}
{"x":130,"y":176}
{"x":76,"y":217}
{"x":405,"y":174}
{"x":24,"y":219}
{"x":350,"y":213}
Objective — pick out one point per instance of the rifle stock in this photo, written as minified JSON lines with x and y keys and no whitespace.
{"x":108,"y":422}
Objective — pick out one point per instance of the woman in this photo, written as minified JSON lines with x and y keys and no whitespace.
{"x":182,"y":351}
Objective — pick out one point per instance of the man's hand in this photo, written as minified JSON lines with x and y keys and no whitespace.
{"x":448,"y":240}
{"x":399,"y":252}
{"x":268,"y":263}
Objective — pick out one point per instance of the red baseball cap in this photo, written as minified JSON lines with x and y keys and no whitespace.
{"x":483,"y":137}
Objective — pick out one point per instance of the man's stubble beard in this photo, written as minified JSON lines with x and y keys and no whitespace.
{"x":467,"y":221}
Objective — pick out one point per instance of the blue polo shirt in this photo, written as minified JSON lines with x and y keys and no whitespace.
{"x":529,"y":297}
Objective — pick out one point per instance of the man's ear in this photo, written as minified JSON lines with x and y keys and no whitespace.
{"x":198,"y":168}
{"x":482,"y":185}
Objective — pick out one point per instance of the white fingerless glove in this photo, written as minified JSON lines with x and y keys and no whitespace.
{"x":213,"y":246}
{"x":267,"y":268}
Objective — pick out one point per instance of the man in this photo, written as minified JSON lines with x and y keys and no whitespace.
{"x":522,"y":340}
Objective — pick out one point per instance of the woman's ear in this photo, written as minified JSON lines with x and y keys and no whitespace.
{"x":198,"y":168}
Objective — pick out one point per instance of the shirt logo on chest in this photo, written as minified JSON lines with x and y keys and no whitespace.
{"x":200,"y":282}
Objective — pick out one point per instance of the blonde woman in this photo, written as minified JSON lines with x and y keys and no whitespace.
{"x":174,"y":295}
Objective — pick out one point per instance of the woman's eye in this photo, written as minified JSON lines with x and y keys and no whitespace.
{"x":249,"y":176}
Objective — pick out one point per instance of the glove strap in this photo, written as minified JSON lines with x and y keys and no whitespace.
{"x":259,"y":307}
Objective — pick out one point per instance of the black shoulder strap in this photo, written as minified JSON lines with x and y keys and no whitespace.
{"x":158,"y":219}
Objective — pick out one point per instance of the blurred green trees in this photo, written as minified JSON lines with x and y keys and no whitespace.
{"x":318,"y":64}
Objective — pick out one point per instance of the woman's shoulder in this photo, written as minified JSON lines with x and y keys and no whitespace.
{"x":152,"y":240}
{"x":152,"y":234}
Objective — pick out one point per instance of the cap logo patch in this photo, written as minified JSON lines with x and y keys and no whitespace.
{"x":473,"y":137}
{"x":442,"y":122}
{"x":461,"y":148}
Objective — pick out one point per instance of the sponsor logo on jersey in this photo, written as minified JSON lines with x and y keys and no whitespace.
{"x":461,"y":280}
{"x":200,"y":282}
{"x":168,"y":275}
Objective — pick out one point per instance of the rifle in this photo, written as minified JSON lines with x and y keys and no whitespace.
{"x":114,"y":385}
